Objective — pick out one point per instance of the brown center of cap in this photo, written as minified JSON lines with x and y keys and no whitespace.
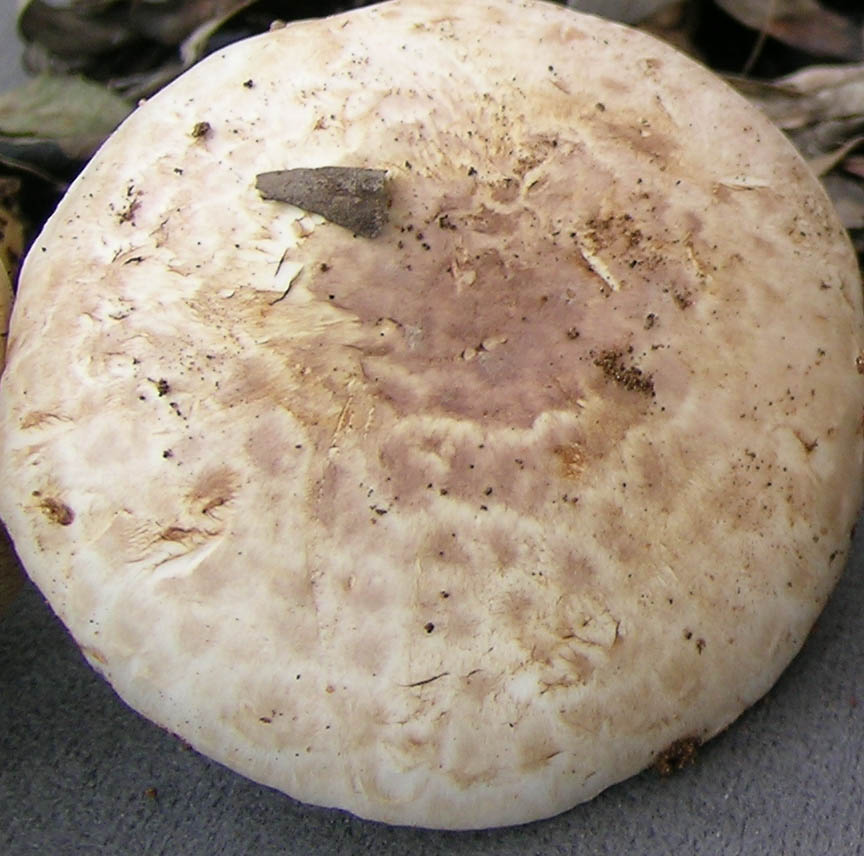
{"x":479,"y":305}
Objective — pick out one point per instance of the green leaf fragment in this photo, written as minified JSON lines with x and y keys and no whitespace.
{"x":60,"y":107}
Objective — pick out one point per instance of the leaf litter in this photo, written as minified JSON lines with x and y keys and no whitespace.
{"x":800,"y":61}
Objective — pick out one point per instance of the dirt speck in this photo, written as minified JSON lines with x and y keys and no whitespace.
{"x":628,"y":376}
{"x":677,"y":756}
{"x":56,"y":511}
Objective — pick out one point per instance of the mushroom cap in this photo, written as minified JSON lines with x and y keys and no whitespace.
{"x":457,"y":525}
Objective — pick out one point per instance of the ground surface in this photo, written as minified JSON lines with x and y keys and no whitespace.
{"x":80,"y":773}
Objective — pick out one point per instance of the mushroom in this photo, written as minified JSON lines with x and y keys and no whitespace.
{"x":458,"y":524}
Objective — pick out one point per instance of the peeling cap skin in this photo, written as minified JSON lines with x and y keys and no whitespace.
{"x":458,"y":525}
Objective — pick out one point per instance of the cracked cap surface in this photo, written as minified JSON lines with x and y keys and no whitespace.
{"x":458,"y":525}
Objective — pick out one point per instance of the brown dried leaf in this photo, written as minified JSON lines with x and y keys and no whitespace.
{"x":824,"y":163}
{"x":821,"y":108}
{"x":854,"y":165}
{"x":847,"y":193}
{"x":353,"y":197}
{"x":627,"y":11}
{"x":814,"y":94}
{"x":821,"y":34}
{"x":130,"y":43}
{"x":84,"y":28}
{"x":672,"y":24}
{"x":195,"y":43}
{"x":11,"y":227}
{"x":11,"y":250}
{"x":5,"y":310}
{"x":32,"y":163}
{"x":73,"y":32}
{"x":802,"y":24}
{"x":816,"y":141}
{"x":174,"y":21}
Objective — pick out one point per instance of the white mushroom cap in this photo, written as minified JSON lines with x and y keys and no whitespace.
{"x":457,"y":525}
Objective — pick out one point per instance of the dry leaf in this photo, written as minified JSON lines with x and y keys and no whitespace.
{"x":173,"y":21}
{"x":821,"y":108}
{"x":11,"y":227}
{"x":51,"y":125}
{"x":129,"y":43}
{"x":11,"y":250}
{"x":59,"y":108}
{"x":673,"y":25}
{"x":75,"y":31}
{"x":854,"y":165}
{"x":816,"y":141}
{"x":824,"y":163}
{"x":627,"y":11}
{"x":847,"y":193}
{"x":195,"y":43}
{"x":5,"y":310}
{"x":82,"y":28}
{"x":802,"y":24}
{"x":353,"y":197}
{"x":814,"y":94}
